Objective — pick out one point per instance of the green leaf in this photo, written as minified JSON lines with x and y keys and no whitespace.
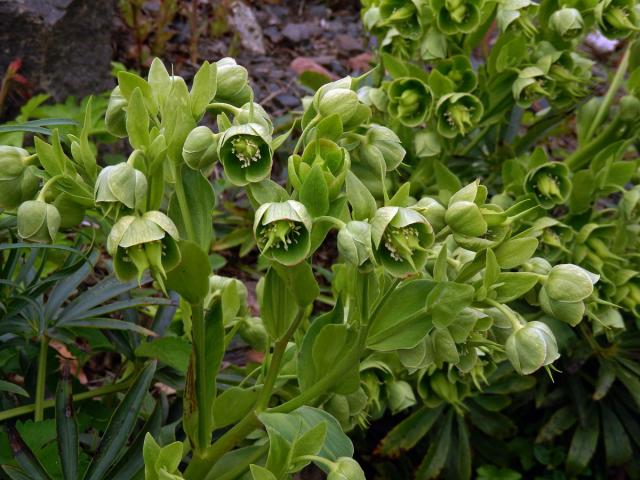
{"x":330,"y":127}
{"x":314,"y":193}
{"x":203,"y":89}
{"x":563,"y":419}
{"x":434,"y":461}
{"x":278,"y":306}
{"x":121,"y":424}
{"x":406,"y":434}
{"x":138,"y":121}
{"x":191,"y":278}
{"x":300,"y":281}
{"x":616,"y":441}
{"x":403,"y":320}
{"x":583,"y":444}
{"x":47,"y":157}
{"x":582,"y":190}
{"x":448,"y":299}
{"x":200,"y":203}
{"x":232,"y":405}
{"x":446,"y":179}
{"x":515,"y":252}
{"x":333,"y":343}
{"x":362,"y":202}
{"x":129,"y":82}
{"x":309,"y":443}
{"x":13,"y":388}
{"x":261,"y":473}
{"x":67,"y":430}
{"x":172,"y":351}
{"x":512,"y":285}
{"x":25,"y":457}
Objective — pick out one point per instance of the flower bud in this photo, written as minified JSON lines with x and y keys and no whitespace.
{"x":410,"y":100}
{"x":246,"y":154}
{"x":333,"y":160}
{"x":531,"y":84}
{"x":121,"y":184}
{"x":531,"y":347}
{"x":433,"y":211}
{"x":116,"y":116}
{"x":283,"y":231}
{"x":253,"y":113}
{"x":537,"y":265}
{"x":200,"y":149}
{"x":400,"y":396}
{"x":570,"y":283}
{"x":346,"y":468}
{"x":38,"y":221}
{"x":465,"y":218}
{"x":566,"y":22}
{"x":337,"y":98}
{"x":354,"y":242}
{"x":401,"y":237}
{"x":567,"y":312}
{"x":252,"y":331}
{"x":232,"y":82}
{"x":549,"y":184}
{"x":142,"y":242}
{"x":18,"y":182}
{"x":387,"y":143}
{"x":458,"y":114}
{"x":629,"y":108}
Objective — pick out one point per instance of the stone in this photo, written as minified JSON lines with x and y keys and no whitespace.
{"x":244,"y":22}
{"x":64,"y":45}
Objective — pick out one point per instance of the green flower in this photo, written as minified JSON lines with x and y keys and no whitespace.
{"x":531,"y":347}
{"x":38,"y":221}
{"x":532,"y":83}
{"x":459,"y":72}
{"x":116,"y":115}
{"x":457,"y":16}
{"x":18,"y":181}
{"x":283,"y":231}
{"x":121,"y":184}
{"x":401,"y":237}
{"x":402,"y":15}
{"x":200,"y":149}
{"x":617,"y":18}
{"x":564,"y":292}
{"x":354,"y":242}
{"x":409,"y":100}
{"x":345,"y":468}
{"x":384,"y":142}
{"x":141,"y":242}
{"x":549,"y":184}
{"x":458,"y":114}
{"x":232,"y":83}
{"x":567,"y":23}
{"x":246,"y":154}
{"x":337,"y":98}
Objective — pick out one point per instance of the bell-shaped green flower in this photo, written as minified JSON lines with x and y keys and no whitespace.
{"x":18,"y":181}
{"x":283,"y":231}
{"x":410,"y":100}
{"x":200,"y":149}
{"x":354,"y":242}
{"x":617,"y":18}
{"x":567,"y":23}
{"x":458,"y":114}
{"x":253,"y":113}
{"x":141,"y":242}
{"x":531,"y":347}
{"x":38,"y":221}
{"x":403,"y":15}
{"x":121,"y":184}
{"x":459,"y":72}
{"x":401,"y":237}
{"x":570,"y":76}
{"x":564,"y":291}
{"x":337,"y":98}
{"x":345,"y":468}
{"x":232,"y":83}
{"x":549,"y":184}
{"x":457,"y":16}
{"x":532,"y":83}
{"x":629,"y":108}
{"x":332,"y":160}
{"x":116,"y":116}
{"x":382,"y":141}
{"x":432,"y":210}
{"x":463,"y":213}
{"x":246,"y":154}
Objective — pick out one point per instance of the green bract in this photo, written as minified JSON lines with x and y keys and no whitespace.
{"x":141,"y":242}
{"x":531,"y":347}
{"x":549,"y":184}
{"x":354,"y":242}
{"x":38,"y":221}
{"x":121,"y":184}
{"x":116,"y":115}
{"x":200,"y":149}
{"x":18,"y":181}
{"x":457,"y":16}
{"x":458,"y":114}
{"x":283,"y":231}
{"x":567,"y":23}
{"x":401,"y":237}
{"x":246,"y":154}
{"x":409,"y":100}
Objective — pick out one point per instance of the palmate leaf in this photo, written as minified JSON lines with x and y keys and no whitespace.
{"x":406,"y":434}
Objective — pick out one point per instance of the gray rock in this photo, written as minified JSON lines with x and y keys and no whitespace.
{"x":65,"y":45}
{"x":244,"y":22}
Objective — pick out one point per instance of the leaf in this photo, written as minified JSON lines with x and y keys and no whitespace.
{"x":434,"y":461}
{"x":583,"y":444}
{"x":138,"y":121}
{"x":403,"y":320}
{"x":446,"y":300}
{"x":203,"y":89}
{"x":446,"y":179}
{"x":191,"y":277}
{"x":232,"y":405}
{"x":616,"y":441}
{"x":25,"y":457}
{"x":129,"y":82}
{"x":67,"y":430}
{"x":406,"y":434}
{"x":121,"y":424}
{"x":513,"y":285}
{"x":333,"y":343}
{"x":172,"y":351}
{"x":309,"y":443}
{"x":200,"y":203}
{"x":13,"y":388}
{"x":582,"y":190}
{"x":314,"y":193}
{"x":559,"y":422}
{"x":47,"y":157}
{"x":300,"y":281}
{"x":515,"y":252}
{"x":261,"y":473}
{"x":330,"y":128}
{"x":362,"y":202}
{"x":278,"y":306}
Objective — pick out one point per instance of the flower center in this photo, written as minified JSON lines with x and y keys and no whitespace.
{"x":457,"y":10}
{"x":547,"y":185}
{"x":408,"y":103}
{"x":401,"y":243}
{"x":246,"y":150}
{"x":459,"y":117}
{"x":280,"y":234}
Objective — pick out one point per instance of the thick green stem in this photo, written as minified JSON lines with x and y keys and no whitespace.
{"x":304,"y":133}
{"x":41,"y":377}
{"x":603,"y":109}
{"x":583,"y":155}
{"x":182,"y":203}
{"x":199,"y":346}
{"x":26,"y":409}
